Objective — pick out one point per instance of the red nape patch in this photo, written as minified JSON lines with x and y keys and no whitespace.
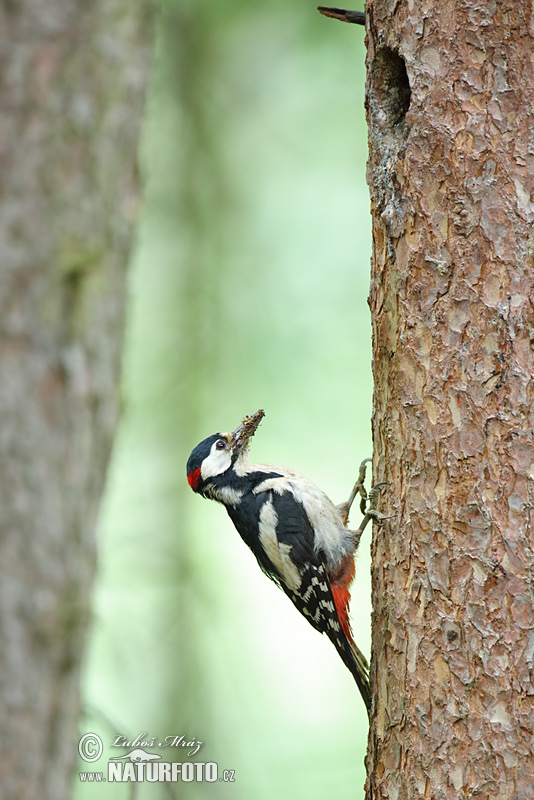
{"x":193,"y":478}
{"x":341,"y":593}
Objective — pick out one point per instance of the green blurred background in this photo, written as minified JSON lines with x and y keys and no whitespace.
{"x":248,"y":289}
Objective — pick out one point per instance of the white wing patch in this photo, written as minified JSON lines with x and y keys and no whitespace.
{"x":330,"y":535}
{"x":278,"y":554}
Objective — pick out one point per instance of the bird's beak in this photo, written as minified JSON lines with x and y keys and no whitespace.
{"x":244,"y":433}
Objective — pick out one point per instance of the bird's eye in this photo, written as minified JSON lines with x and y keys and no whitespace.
{"x":220,"y":444}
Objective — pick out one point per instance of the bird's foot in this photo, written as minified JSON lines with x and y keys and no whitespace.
{"x":357,"y":489}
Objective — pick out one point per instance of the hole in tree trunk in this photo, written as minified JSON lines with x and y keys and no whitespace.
{"x":391,"y":89}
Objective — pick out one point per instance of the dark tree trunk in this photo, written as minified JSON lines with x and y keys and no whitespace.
{"x":451,"y":115}
{"x":72,"y":80}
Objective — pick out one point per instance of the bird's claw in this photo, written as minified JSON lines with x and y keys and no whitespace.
{"x":372,"y":511}
{"x":357,"y":489}
{"x":370,"y":497}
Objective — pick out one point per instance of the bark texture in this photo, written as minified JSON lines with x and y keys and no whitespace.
{"x":450,"y":101}
{"x":71,"y":89}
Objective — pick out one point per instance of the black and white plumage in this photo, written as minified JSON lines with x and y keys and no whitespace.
{"x":295,"y":531}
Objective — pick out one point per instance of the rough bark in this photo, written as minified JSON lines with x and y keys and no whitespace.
{"x":450,"y":101}
{"x":71,"y":86}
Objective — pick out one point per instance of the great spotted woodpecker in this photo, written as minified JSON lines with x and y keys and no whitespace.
{"x":297,"y":534}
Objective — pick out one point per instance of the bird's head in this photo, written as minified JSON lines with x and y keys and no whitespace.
{"x":220,"y":452}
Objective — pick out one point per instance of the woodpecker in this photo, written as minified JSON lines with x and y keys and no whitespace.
{"x":297,"y":534}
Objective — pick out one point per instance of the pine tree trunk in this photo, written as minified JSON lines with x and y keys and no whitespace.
{"x":450,"y":101}
{"x":71,"y":90}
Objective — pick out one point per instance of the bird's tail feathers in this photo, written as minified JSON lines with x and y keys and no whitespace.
{"x":357,"y":664}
